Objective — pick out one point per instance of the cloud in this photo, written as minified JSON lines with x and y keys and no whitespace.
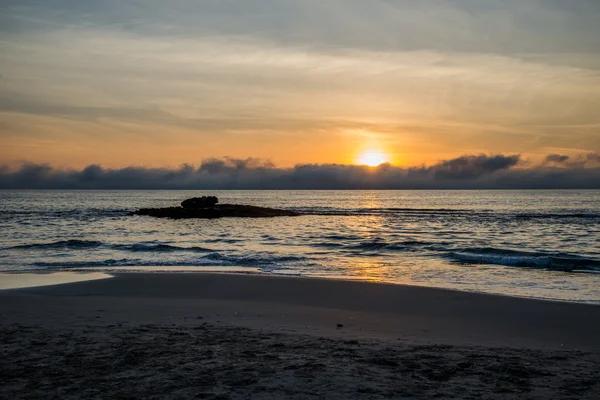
{"x":556,"y":159}
{"x":593,"y":157}
{"x":229,"y":165}
{"x":541,"y":26}
{"x":466,"y":172}
{"x":469,"y":167}
{"x":578,"y":161}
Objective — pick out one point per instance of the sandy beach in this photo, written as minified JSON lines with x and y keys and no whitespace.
{"x":226,"y":336}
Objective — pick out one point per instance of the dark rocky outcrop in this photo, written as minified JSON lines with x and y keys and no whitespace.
{"x":200,"y":202}
{"x":207,"y":208}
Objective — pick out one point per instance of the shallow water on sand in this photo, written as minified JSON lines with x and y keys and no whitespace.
{"x":27,"y":280}
{"x":543,"y":244}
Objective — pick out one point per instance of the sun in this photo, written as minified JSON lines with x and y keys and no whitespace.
{"x":372,"y":158}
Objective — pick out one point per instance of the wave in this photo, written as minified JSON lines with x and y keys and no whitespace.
{"x":513,"y":258}
{"x":350,"y":243}
{"x":61,"y":244}
{"x":557,"y":216}
{"x":445,"y":212}
{"x":330,"y":211}
{"x":75,"y":213}
{"x":212,"y":259}
{"x":255,"y":260}
{"x":377,"y":244}
{"x":76,"y":244}
{"x":125,"y":262}
{"x":223,"y":240}
{"x":481,"y":214}
{"x":158,"y":247}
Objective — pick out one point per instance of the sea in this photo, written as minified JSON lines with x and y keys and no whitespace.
{"x":536,"y":244}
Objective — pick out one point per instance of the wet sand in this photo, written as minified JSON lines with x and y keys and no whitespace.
{"x":247,"y":336}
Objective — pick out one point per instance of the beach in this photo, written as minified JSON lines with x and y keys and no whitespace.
{"x":300,"y":199}
{"x":191,"y":335}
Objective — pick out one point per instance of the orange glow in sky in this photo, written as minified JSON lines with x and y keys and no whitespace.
{"x":372,"y":158}
{"x":296,"y":84}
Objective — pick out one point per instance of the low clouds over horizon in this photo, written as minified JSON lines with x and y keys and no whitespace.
{"x":465,"y":172}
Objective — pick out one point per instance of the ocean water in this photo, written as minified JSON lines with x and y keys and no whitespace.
{"x":541,"y":244}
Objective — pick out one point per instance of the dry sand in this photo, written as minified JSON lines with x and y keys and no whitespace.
{"x":234,"y":336}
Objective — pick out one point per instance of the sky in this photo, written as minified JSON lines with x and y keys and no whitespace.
{"x":157,"y":85}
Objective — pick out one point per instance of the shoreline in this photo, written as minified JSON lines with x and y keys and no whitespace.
{"x":378,"y":302}
{"x":244,"y":271}
{"x":201,"y":335}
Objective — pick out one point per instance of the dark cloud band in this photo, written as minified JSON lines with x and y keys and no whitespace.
{"x":466,"y":172}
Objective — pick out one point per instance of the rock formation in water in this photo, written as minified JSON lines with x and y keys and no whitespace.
{"x":206,"y":207}
{"x":200,"y":202}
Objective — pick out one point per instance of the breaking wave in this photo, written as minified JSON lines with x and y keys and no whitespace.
{"x":211,"y":259}
{"x":512,"y":258}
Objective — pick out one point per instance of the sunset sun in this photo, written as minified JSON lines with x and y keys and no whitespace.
{"x":372,"y":158}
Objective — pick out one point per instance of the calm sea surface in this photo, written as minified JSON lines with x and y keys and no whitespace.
{"x":543,"y":244}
